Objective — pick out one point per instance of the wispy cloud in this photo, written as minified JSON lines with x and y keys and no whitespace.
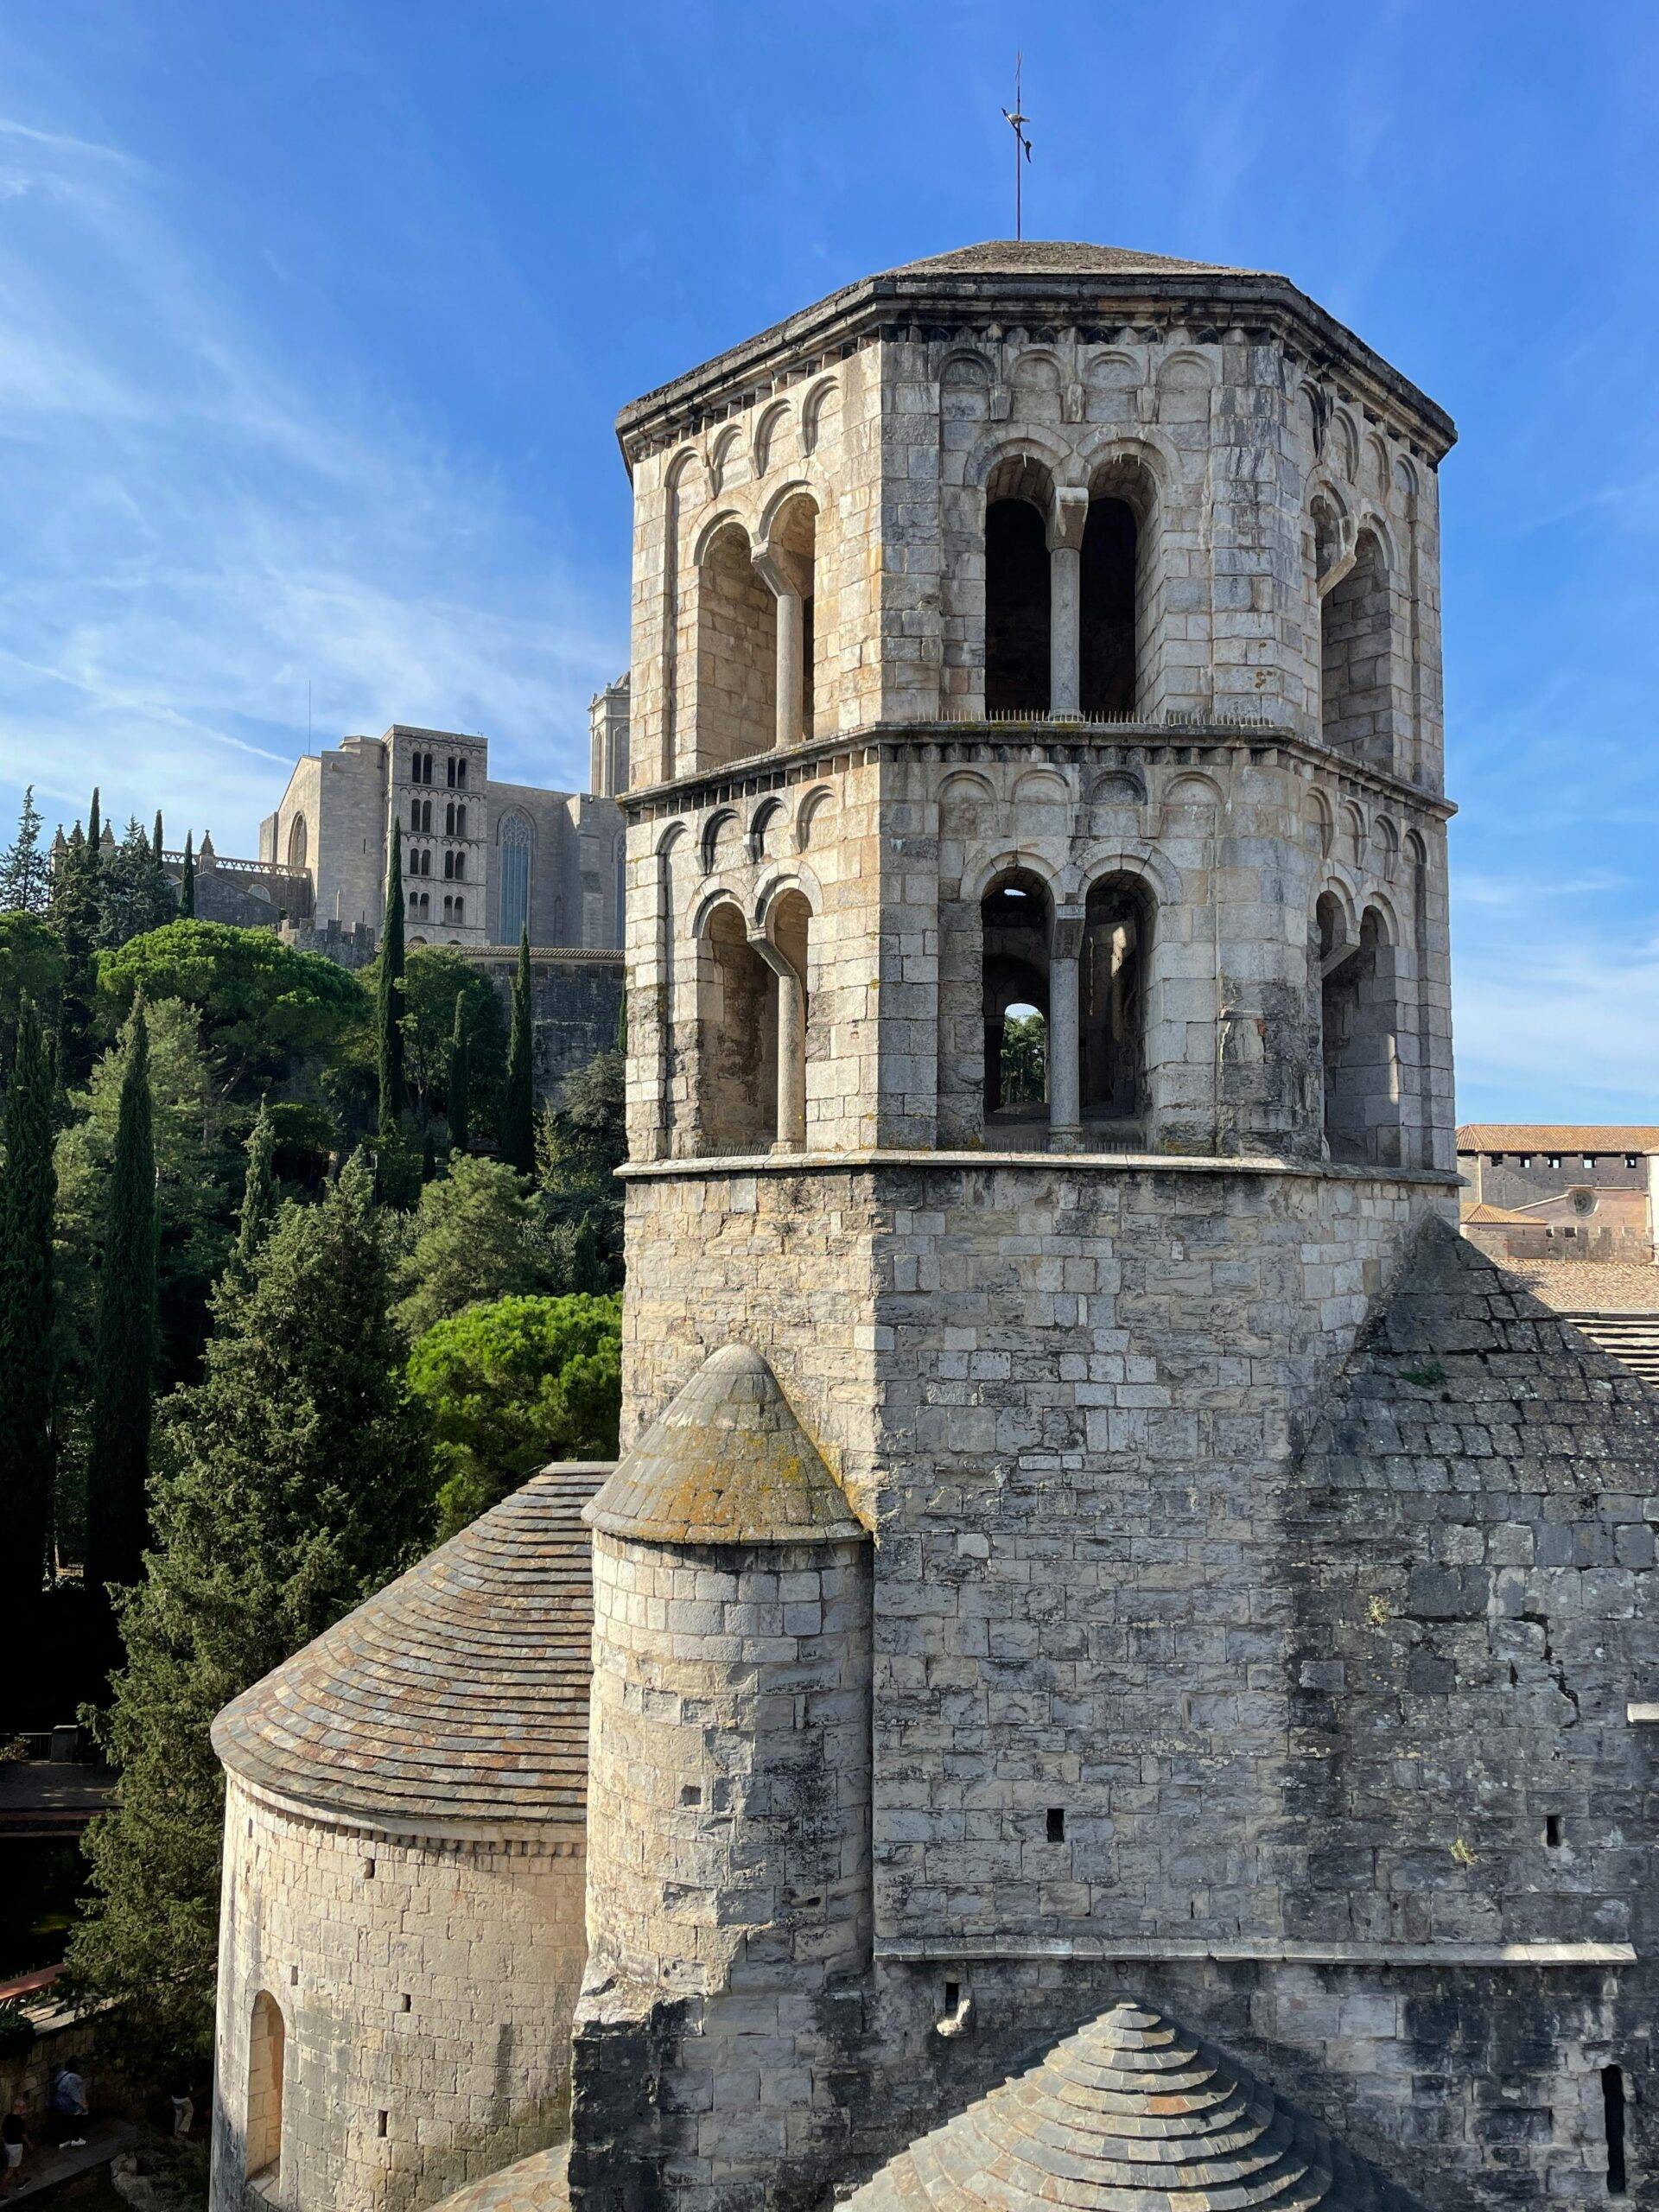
{"x":197,"y":535}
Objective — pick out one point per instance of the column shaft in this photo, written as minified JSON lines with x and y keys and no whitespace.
{"x":1065,"y":1097}
{"x":1065,"y":630}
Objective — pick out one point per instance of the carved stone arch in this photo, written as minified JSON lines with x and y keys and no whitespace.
{"x":1375,"y":473}
{"x":1371,"y":518}
{"x":1316,"y":813}
{"x":967,"y":802}
{"x":728,"y":516}
{"x":776,"y":510}
{"x":965,"y":380}
{"x":1415,"y":850}
{"x":1189,"y":791}
{"x":1407,"y":483}
{"x":685,"y":475}
{"x":767,"y":821}
{"x":1043,"y":787}
{"x":820,"y":411}
{"x":1026,"y":444}
{"x":1313,"y":408}
{"x":1036,"y":385}
{"x":1351,"y":826}
{"x":817,"y":806}
{"x":774,"y":885}
{"x":1145,"y":447}
{"x":1111,"y":387}
{"x":1117,"y":787}
{"x":1341,"y":445}
{"x":725,"y":451}
{"x":706,"y":904}
{"x":1186,"y":380}
{"x":1385,"y":843}
{"x":770,"y":429}
{"x":1012,"y":859}
{"x":1337,"y":882}
{"x":1134,"y":857}
{"x":724,"y":819}
{"x":1380,"y":904}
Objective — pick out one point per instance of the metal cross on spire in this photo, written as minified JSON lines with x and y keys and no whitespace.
{"x":1017,"y":122}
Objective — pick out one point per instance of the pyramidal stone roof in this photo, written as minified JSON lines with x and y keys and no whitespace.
{"x":1056,"y":257}
{"x":728,"y":1463}
{"x":456,"y":1699}
{"x":1131,"y":2114}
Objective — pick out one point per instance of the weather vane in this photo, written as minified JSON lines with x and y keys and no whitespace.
{"x":1017,"y":123}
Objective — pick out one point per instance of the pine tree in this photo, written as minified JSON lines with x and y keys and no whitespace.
{"x":25,"y":872}
{"x":518,"y":1109}
{"x":28,"y":1198}
{"x":458,"y":1084}
{"x":188,"y":883}
{"x":258,"y":1191}
{"x":134,"y":895}
{"x":291,"y":1482}
{"x":389,"y":1004}
{"x":124,"y":1351}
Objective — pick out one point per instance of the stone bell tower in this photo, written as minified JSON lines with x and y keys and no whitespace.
{"x":1039,"y":1066}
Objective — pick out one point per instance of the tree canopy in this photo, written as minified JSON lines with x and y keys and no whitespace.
{"x":476,"y":1237}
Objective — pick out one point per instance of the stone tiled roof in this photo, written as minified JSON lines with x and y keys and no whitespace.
{"x":537,"y":2183}
{"x":1131,"y":2114}
{"x":457,"y":1696}
{"x":1557,"y":1136}
{"x":1055,"y":258}
{"x":727,"y":1464}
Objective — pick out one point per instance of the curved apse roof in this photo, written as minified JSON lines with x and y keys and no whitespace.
{"x":457,"y":1697}
{"x":1131,"y":2114}
{"x":727,"y":1464}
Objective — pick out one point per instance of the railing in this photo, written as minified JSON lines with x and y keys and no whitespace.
{"x":218,"y":864}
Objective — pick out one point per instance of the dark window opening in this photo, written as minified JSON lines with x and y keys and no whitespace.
{"x":1057,"y":1824}
{"x":952,"y":1995}
{"x":380,"y":2123}
{"x":1014,"y":922}
{"x":1356,"y":703}
{"x":1612,"y":2102}
{"x":738,"y":1039}
{"x":1016,"y":609}
{"x":1358,"y":1040}
{"x":368,"y":1870}
{"x":409,"y":2002}
{"x":1553,"y":1831}
{"x":1107,"y":597}
{"x":691,"y":1793}
{"x":1111,"y":983}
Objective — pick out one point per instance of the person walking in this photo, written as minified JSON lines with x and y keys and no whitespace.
{"x":70,"y":2107}
{"x":14,"y":2141}
{"x":184,"y":2106}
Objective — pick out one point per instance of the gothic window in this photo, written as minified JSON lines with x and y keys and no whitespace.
{"x":296,"y":842}
{"x":1019,"y":498}
{"x":267,"y":2048}
{"x":514,"y":842}
{"x":1111,"y":989}
{"x":1014,"y":920}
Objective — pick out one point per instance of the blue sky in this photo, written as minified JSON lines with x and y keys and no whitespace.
{"x":313,"y":321}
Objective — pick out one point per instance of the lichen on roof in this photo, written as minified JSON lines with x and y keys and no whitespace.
{"x":728,"y":1463}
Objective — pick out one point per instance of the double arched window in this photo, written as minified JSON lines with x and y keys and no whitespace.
{"x":514,"y":843}
{"x":454,"y":819}
{"x":1359,"y":1035}
{"x":1064,"y":585}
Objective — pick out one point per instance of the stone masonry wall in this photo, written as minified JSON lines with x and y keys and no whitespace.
{"x":426,"y":1991}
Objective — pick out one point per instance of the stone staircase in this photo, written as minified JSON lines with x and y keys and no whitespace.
{"x":1631,"y":1338}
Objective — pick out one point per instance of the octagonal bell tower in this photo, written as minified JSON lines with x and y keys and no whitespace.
{"x":1040,"y":1059}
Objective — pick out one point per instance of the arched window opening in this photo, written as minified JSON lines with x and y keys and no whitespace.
{"x":460,"y":819}
{"x":267,"y":2044}
{"x":1112,"y":987}
{"x":1110,"y":595}
{"x":449,"y":768}
{"x":789,"y":929}
{"x":789,"y":566}
{"x":296,"y":842}
{"x":1359,"y":1039}
{"x":1017,"y":605}
{"x":514,"y":840}
{"x":1014,"y":919}
{"x":449,"y":819}
{"x":1354,"y":706}
{"x":461,"y":773}
{"x":461,"y":910}
{"x":737,"y":690}
{"x":737,"y":1039}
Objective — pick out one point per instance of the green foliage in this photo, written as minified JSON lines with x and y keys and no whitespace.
{"x":458,"y":1080}
{"x":581,"y":1141}
{"x":476,"y":1237}
{"x":27,"y":1353}
{"x":518,"y":1104}
{"x":72,"y":913}
{"x":25,"y":871}
{"x":133,"y":893}
{"x":31,"y":967}
{"x":17,"y":2030}
{"x":188,"y":883}
{"x":1025,"y":1060}
{"x":292,"y":1481}
{"x":258,"y":1188}
{"x":515,"y":1383}
{"x":264,"y":1009}
{"x":388,"y":992}
{"x":123,"y":1344}
{"x":436,"y":981}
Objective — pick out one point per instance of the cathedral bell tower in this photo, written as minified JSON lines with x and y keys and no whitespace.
{"x":1039,"y":1060}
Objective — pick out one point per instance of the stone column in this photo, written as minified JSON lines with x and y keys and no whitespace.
{"x":1065,"y":529}
{"x":783,"y":574}
{"x":1065,"y":1083}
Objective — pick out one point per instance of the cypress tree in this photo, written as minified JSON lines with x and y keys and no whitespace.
{"x":27,"y":1195}
{"x":389,"y":1005}
{"x":124,"y":1347}
{"x":519,"y":1108}
{"x":458,"y":1080}
{"x":73,"y":915}
{"x":188,"y":883}
{"x":155,"y":841}
{"x":292,"y":1480}
{"x":94,"y":833}
{"x":258,"y":1189}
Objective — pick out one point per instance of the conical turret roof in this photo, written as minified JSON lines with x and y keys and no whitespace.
{"x":1131,"y":2114}
{"x":727,"y":1464}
